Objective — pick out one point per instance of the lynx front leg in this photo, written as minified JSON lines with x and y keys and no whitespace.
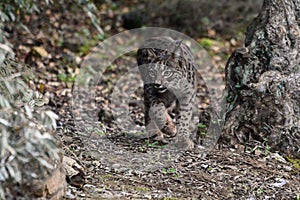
{"x":161,"y":122}
{"x":184,"y":111}
{"x":157,"y":120}
{"x":169,"y":128}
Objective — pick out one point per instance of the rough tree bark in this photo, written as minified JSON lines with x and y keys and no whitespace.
{"x":263,"y":81}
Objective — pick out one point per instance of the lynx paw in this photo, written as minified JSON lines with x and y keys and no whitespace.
{"x":161,"y":140}
{"x":183,"y":144}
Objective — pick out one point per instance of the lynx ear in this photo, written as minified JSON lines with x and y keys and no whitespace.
{"x":178,"y":43}
{"x":143,"y":55}
{"x":176,"y":50}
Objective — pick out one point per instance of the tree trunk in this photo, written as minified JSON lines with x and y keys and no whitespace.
{"x":263,"y":81}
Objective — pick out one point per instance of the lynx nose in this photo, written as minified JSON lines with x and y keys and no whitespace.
{"x":160,"y":88}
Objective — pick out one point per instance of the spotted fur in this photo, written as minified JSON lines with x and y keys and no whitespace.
{"x":168,"y":71}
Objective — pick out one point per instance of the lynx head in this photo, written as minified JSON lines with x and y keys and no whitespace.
{"x":163,"y":66}
{"x":164,"y":74}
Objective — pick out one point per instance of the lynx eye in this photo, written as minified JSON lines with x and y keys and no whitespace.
{"x":167,"y":74}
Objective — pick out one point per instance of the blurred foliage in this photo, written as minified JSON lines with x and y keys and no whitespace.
{"x":206,"y":43}
{"x":91,"y":10}
{"x":197,"y":17}
{"x":10,"y":9}
{"x":28,"y":149}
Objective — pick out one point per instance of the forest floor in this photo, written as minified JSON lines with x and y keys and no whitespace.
{"x":55,"y":43}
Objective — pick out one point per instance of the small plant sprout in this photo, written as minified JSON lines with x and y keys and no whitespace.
{"x":171,"y":171}
{"x":153,"y":144}
{"x":201,"y":125}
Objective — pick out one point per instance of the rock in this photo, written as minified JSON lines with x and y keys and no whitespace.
{"x":40,"y":51}
{"x":75,"y":173}
{"x":132,"y":20}
{"x":52,"y":188}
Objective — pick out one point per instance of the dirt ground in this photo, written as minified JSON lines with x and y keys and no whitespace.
{"x":55,"y":44}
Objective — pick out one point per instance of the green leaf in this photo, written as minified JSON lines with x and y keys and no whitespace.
{"x":201,"y":125}
{"x":172,"y":170}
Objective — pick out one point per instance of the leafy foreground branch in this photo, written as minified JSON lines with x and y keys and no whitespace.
{"x":30,"y":157}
